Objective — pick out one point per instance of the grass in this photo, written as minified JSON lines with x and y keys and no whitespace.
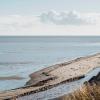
{"x":87,"y":92}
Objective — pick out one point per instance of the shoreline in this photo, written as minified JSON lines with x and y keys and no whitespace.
{"x":54,"y":75}
{"x":49,"y":72}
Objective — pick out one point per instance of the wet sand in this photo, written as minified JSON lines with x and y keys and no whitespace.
{"x":54,"y":75}
{"x":11,"y":78}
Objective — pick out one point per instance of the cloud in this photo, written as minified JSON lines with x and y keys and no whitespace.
{"x":64,"y":23}
{"x":17,"y":24}
{"x":16,"y":21}
{"x":65,"y":18}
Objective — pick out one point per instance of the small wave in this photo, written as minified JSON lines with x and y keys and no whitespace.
{"x":93,"y":44}
{"x":11,"y":52}
{"x":86,"y":44}
{"x":16,"y":63}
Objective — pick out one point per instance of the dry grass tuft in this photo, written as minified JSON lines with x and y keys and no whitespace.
{"x":88,"y":92}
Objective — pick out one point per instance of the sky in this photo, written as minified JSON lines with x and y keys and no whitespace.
{"x":49,"y":17}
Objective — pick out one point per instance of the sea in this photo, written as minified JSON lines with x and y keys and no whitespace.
{"x":22,"y":55}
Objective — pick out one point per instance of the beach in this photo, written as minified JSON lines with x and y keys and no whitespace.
{"x":55,"y":75}
{"x":49,"y":49}
{"x":65,"y":71}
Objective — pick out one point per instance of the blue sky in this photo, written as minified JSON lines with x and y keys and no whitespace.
{"x":49,"y":17}
{"x":37,"y":6}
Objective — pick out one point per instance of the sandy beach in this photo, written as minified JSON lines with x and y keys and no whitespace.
{"x":54,"y":75}
{"x":65,"y":71}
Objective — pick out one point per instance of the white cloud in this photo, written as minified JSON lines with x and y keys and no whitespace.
{"x":70,"y":23}
{"x":65,"y":18}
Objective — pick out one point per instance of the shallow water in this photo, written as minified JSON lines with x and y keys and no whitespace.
{"x":21,"y":56}
{"x":61,"y":90}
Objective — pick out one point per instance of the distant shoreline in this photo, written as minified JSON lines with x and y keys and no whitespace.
{"x":54,"y":75}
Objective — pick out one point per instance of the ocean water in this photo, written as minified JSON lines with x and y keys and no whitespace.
{"x":21,"y":56}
